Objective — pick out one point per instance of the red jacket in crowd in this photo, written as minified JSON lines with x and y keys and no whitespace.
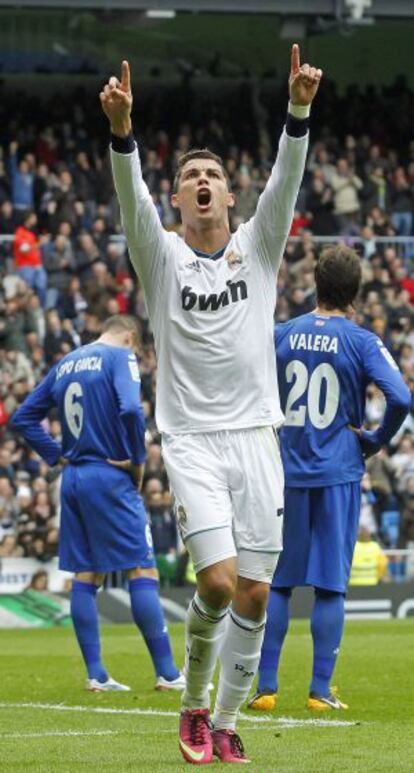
{"x":26,"y":252}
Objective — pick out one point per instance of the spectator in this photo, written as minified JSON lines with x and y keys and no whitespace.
{"x":401,"y":203}
{"x":246,"y":197}
{"x":163,"y":526}
{"x":22,"y":180}
{"x":72,"y":303}
{"x":8,"y":218}
{"x":86,"y":256}
{"x":27,"y":256}
{"x":346,"y":186}
{"x":320,"y":204}
{"x":369,"y":564}
{"x":16,"y":325}
{"x":375,"y":193}
{"x":64,"y":206}
{"x":407,"y":514}
{"x":9,"y":547}
{"x":402,"y":462}
{"x":367,"y":516}
{"x":58,"y":260}
{"x":58,"y":341}
{"x":39,"y":581}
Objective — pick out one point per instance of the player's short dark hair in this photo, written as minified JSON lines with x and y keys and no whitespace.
{"x":337,"y":277}
{"x":120,"y":322}
{"x":190,"y":156}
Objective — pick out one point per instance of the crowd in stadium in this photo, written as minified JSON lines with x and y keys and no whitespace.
{"x":65,"y":268}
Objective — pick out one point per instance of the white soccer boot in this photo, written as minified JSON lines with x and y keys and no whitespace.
{"x":176,"y":684}
{"x":164,"y":685}
{"x":109,"y":686}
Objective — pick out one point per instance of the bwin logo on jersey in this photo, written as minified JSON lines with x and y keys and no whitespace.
{"x":236,"y":291}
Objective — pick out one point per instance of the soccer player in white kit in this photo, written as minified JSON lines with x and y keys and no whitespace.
{"x":211,"y":297}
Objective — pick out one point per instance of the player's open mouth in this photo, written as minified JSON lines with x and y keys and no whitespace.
{"x":203,"y":198}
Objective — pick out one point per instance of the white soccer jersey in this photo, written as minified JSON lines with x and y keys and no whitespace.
{"x":213,"y":319}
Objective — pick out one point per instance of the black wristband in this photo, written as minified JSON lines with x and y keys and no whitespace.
{"x":296,"y":127}
{"x":123,"y":144}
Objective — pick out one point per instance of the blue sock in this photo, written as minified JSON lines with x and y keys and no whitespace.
{"x":276,"y":629}
{"x":327,"y":624}
{"x":85,"y":620}
{"x":149,"y":617}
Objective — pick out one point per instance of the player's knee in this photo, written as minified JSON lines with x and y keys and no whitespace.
{"x":251,"y":598}
{"x":98,"y":579}
{"x":256,"y":592}
{"x":217,"y":585}
{"x":151,"y":572}
{"x":94,"y":578}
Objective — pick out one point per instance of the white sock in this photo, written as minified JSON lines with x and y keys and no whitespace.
{"x":205,"y":628}
{"x":239,"y":657}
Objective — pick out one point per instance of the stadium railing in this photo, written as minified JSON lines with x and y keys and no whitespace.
{"x":404,"y":245}
{"x":400,"y":564}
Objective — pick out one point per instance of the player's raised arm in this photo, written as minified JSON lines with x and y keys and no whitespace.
{"x":140,"y":218}
{"x":272,"y":221}
{"x":27,"y":420}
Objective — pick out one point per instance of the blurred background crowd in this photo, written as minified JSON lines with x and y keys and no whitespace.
{"x":64,"y":261}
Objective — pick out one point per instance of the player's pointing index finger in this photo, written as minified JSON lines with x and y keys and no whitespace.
{"x":295,"y":59}
{"x":126,"y":77}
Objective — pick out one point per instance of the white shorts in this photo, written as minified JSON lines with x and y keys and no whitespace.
{"x":228,"y":488}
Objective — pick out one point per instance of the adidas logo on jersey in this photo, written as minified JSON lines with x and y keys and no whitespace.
{"x":194,"y":265}
{"x":236,"y":291}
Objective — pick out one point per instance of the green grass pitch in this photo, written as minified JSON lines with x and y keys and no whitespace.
{"x":41,"y":677}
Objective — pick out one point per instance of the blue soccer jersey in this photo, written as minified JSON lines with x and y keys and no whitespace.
{"x":96,"y":389}
{"x":324,"y":365}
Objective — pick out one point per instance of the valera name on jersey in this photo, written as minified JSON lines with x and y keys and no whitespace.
{"x":314,"y":343}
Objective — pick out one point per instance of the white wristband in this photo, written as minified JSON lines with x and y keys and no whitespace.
{"x":299,"y":111}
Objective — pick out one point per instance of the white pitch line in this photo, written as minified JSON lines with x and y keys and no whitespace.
{"x":109,"y":710}
{"x":58,"y":733}
{"x":284,"y":721}
{"x":89,"y":709}
{"x":290,"y":722}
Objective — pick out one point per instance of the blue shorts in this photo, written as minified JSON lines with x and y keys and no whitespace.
{"x":319,"y":534}
{"x":104,"y":525}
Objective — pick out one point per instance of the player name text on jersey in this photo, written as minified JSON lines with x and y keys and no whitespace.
{"x":85,"y":363}
{"x":314,"y":343}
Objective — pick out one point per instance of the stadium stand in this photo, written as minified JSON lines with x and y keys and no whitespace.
{"x":65,"y":268}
